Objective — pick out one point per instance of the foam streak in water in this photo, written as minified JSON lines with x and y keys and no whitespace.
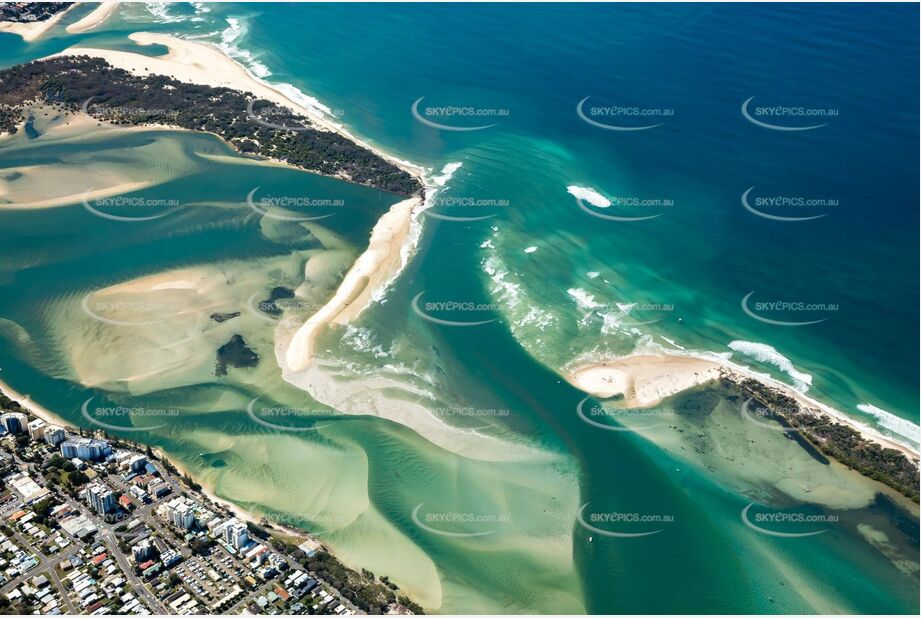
{"x":768,"y":354}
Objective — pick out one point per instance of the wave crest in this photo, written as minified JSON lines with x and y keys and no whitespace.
{"x":768,"y":354}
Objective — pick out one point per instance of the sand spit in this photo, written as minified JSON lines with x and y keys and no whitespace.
{"x":371,"y":271}
{"x":645,"y":379}
{"x":90,"y":21}
{"x":200,"y":63}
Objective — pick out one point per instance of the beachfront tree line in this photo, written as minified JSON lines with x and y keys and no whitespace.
{"x":250,"y":125}
{"x":886,"y":465}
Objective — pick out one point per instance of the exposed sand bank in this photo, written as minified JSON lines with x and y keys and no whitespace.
{"x":645,"y":379}
{"x":90,"y":21}
{"x":372,"y":270}
{"x":60,"y":178}
{"x":64,"y":181}
{"x":29,"y":31}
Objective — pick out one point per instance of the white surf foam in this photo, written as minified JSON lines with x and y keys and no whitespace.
{"x":583,"y":299}
{"x":230,"y":46}
{"x":765,"y":353}
{"x":160,"y":11}
{"x":446,"y":173}
{"x":890,"y":421}
{"x":589,"y":195}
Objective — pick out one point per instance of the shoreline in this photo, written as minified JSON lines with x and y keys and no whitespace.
{"x":656,"y":376}
{"x":203,"y":63}
{"x":30,"y":31}
{"x":38,"y":410}
{"x":101,"y":13}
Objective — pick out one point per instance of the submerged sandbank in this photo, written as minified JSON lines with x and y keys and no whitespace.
{"x":64,"y":180}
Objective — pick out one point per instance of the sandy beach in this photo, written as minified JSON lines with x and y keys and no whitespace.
{"x":30,"y":31}
{"x":90,"y":21}
{"x":33,"y":406}
{"x":645,"y":379}
{"x":200,"y":63}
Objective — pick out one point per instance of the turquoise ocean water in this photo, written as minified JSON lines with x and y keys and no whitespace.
{"x":566,"y":285}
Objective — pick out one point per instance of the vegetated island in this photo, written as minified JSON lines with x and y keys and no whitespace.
{"x":31,"y":20}
{"x":28,"y":12}
{"x":250,"y":125}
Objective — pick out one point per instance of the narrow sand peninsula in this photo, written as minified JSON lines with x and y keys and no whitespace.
{"x":29,"y":31}
{"x":90,"y":21}
{"x":200,"y":63}
{"x":645,"y":379}
{"x":16,"y":200}
{"x":371,"y":271}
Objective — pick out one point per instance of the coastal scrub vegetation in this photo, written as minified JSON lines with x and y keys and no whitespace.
{"x":886,"y":465}
{"x":80,"y":83}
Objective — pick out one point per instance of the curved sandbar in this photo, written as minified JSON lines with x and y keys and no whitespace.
{"x":90,"y":21}
{"x":373,"y":269}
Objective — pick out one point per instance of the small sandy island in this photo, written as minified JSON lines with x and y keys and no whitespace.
{"x":90,"y":21}
{"x":30,"y":31}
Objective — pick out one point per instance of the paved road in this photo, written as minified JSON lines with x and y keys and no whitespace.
{"x":45,"y":564}
{"x":108,"y":537}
